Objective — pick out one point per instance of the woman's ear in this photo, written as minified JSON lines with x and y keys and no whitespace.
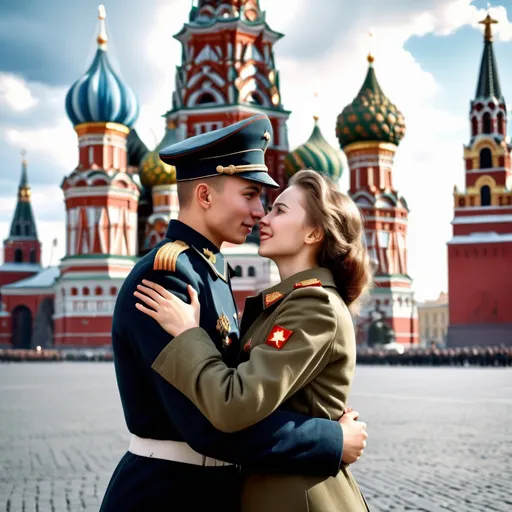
{"x":315,"y":236}
{"x":203,"y":196}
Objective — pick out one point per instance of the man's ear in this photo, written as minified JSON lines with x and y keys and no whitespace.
{"x":204,"y":196}
{"x":315,"y":236}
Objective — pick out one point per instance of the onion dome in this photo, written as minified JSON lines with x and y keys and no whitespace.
{"x":371,"y":116}
{"x":100,"y":95}
{"x":152,"y":170}
{"x":316,"y":154}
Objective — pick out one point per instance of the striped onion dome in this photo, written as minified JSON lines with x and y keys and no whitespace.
{"x":100,"y":95}
{"x":315,"y":154}
{"x":371,"y":116}
{"x":152,"y":170}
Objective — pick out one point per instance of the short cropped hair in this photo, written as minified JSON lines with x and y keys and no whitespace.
{"x":186,"y":188}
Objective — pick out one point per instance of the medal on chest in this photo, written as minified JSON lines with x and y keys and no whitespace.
{"x":224,"y":326}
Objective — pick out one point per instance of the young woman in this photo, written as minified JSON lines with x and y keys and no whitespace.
{"x":298,"y":339}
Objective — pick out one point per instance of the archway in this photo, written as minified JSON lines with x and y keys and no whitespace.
{"x":21,"y":327}
{"x":43,"y":324}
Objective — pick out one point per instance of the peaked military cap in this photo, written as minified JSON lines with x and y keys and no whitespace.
{"x":238,"y":149}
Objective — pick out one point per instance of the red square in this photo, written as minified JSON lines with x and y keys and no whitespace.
{"x":278,"y":336}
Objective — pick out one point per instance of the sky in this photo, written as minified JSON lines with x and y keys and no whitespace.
{"x":427,"y":57}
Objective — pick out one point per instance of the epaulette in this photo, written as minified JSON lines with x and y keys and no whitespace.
{"x":308,"y":282}
{"x":167,"y":256}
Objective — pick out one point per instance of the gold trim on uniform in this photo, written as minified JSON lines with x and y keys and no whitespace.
{"x":209,"y":254}
{"x":273,"y":297}
{"x":308,"y":282}
{"x":233,"y":169}
{"x":167,"y":256}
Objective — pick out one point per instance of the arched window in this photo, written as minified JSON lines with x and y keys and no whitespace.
{"x":485,"y":196}
{"x":98,"y":290}
{"x":252,"y":272}
{"x":74,"y":291}
{"x":32,"y":256}
{"x":462,"y":203}
{"x":113,"y":290}
{"x":501,"y":124}
{"x":205,"y":98}
{"x":485,"y":158}
{"x":474,"y":126}
{"x":18,"y":256}
{"x":238,"y":271}
{"x":487,"y":123}
{"x":85,"y":291}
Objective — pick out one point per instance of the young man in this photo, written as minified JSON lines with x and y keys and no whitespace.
{"x":177,"y":460}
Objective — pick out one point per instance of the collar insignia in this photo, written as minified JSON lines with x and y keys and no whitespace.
{"x":211,"y":257}
{"x":272,"y":298}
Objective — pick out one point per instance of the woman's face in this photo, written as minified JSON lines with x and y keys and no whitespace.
{"x":283,"y":231}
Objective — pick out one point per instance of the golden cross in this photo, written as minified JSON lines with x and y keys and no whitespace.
{"x":488,"y":21}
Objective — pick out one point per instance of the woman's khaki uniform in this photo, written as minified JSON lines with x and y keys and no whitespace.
{"x":298,"y":344}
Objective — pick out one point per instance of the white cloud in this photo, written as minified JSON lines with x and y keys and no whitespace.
{"x":58,"y":141}
{"x":15,"y":93}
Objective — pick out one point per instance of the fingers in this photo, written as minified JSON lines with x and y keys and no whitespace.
{"x":158,"y":288}
{"x":147,"y":300}
{"x":148,"y":291}
{"x":193,"y":294}
{"x":353,"y":415}
{"x":146,"y":310}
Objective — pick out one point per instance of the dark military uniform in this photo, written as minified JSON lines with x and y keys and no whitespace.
{"x":301,"y":341}
{"x":156,"y":413}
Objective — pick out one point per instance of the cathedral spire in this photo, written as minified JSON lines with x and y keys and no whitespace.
{"x":488,"y":85}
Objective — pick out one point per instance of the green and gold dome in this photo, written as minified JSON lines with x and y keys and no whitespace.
{"x":152,"y":170}
{"x":316,"y":154}
{"x":371,"y":117}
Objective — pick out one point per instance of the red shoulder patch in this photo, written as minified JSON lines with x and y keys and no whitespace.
{"x":278,"y":336}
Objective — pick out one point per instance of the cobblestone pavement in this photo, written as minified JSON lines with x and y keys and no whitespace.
{"x":440,"y":438}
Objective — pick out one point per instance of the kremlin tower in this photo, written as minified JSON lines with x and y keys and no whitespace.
{"x":480,"y":251}
{"x":369,"y":130}
{"x":101,"y":199}
{"x":227,"y":74}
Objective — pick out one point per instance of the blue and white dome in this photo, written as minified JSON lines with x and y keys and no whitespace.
{"x":100,"y":95}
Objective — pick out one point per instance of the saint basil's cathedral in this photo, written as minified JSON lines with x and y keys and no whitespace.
{"x":121,"y":196}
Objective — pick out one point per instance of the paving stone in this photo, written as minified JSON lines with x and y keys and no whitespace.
{"x":440,"y":438}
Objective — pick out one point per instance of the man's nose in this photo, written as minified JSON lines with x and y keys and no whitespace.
{"x":258,"y":211}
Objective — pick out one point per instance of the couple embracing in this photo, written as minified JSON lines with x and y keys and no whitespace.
{"x":250,"y":417}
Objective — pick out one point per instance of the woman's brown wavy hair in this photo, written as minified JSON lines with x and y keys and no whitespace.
{"x":343,"y":250}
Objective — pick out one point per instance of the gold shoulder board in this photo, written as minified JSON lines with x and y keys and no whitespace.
{"x":167,"y":256}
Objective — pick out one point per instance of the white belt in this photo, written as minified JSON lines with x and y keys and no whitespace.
{"x":176,"y":451}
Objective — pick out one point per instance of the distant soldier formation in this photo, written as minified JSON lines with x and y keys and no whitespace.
{"x":435,"y":356}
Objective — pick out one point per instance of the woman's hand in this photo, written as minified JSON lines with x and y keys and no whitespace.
{"x":174,"y":315}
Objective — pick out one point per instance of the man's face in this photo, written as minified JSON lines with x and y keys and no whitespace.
{"x":235,"y":210}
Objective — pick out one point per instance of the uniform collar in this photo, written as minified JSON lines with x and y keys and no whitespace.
{"x":210,"y":253}
{"x":319,"y":276}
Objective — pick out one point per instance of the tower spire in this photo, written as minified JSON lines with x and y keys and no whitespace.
{"x":488,"y":80}
{"x":102,"y":38}
{"x":23,"y":223}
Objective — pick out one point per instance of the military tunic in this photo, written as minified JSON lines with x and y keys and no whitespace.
{"x":155,"y":409}
{"x":298,"y":343}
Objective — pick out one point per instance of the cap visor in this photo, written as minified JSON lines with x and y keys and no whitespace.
{"x":259,"y":177}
